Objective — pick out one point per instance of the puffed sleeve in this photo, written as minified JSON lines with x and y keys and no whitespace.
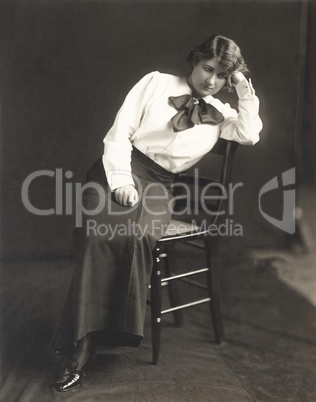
{"x":117,"y":142}
{"x":244,"y":126}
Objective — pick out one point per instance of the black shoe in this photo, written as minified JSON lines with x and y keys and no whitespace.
{"x":73,"y":381}
{"x":71,"y":376}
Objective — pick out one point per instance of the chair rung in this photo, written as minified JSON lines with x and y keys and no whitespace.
{"x":163,"y":255}
{"x":171,"y":278}
{"x":194,"y":283}
{"x":163,"y":284}
{"x":186,"y":305}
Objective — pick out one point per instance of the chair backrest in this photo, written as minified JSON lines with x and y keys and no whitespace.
{"x":201,"y":193}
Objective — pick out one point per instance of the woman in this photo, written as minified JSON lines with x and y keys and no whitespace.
{"x":165,"y":125}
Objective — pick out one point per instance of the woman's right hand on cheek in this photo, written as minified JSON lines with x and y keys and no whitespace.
{"x":126,"y":196}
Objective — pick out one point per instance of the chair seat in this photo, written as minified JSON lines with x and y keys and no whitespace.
{"x":180,"y":228}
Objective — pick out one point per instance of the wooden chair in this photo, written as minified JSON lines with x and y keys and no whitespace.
{"x":193,"y":228}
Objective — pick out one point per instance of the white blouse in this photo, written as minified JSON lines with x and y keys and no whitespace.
{"x":144,"y":120}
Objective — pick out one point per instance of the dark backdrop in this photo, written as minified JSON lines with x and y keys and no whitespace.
{"x":67,"y":65}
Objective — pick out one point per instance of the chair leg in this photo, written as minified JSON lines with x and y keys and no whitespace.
{"x":172,"y":288}
{"x":156,"y":306}
{"x":212,"y":260}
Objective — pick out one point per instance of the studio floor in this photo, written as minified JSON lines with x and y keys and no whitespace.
{"x":269,"y":355}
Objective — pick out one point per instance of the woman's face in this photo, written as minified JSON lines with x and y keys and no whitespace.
{"x":207,"y":78}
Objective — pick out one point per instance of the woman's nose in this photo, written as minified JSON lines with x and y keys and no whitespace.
{"x":211,"y":79}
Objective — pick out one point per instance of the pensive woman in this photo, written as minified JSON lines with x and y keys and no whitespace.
{"x":166,"y":124}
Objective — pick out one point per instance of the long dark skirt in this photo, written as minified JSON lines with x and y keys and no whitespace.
{"x":107,"y":295}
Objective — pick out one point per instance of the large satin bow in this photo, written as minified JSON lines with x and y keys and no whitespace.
{"x":191,"y":112}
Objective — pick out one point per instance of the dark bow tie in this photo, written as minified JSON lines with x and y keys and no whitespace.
{"x":191,"y":112}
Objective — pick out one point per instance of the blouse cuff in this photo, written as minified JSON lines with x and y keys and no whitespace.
{"x":119,"y":178}
{"x":244,"y":89}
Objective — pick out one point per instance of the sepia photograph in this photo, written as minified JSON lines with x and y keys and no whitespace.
{"x":158,"y":190}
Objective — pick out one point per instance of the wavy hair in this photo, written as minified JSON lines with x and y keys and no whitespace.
{"x":227,"y":53}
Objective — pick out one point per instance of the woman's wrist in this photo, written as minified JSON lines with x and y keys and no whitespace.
{"x":238,"y":77}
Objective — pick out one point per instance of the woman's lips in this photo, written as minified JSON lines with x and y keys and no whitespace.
{"x":207,"y":87}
